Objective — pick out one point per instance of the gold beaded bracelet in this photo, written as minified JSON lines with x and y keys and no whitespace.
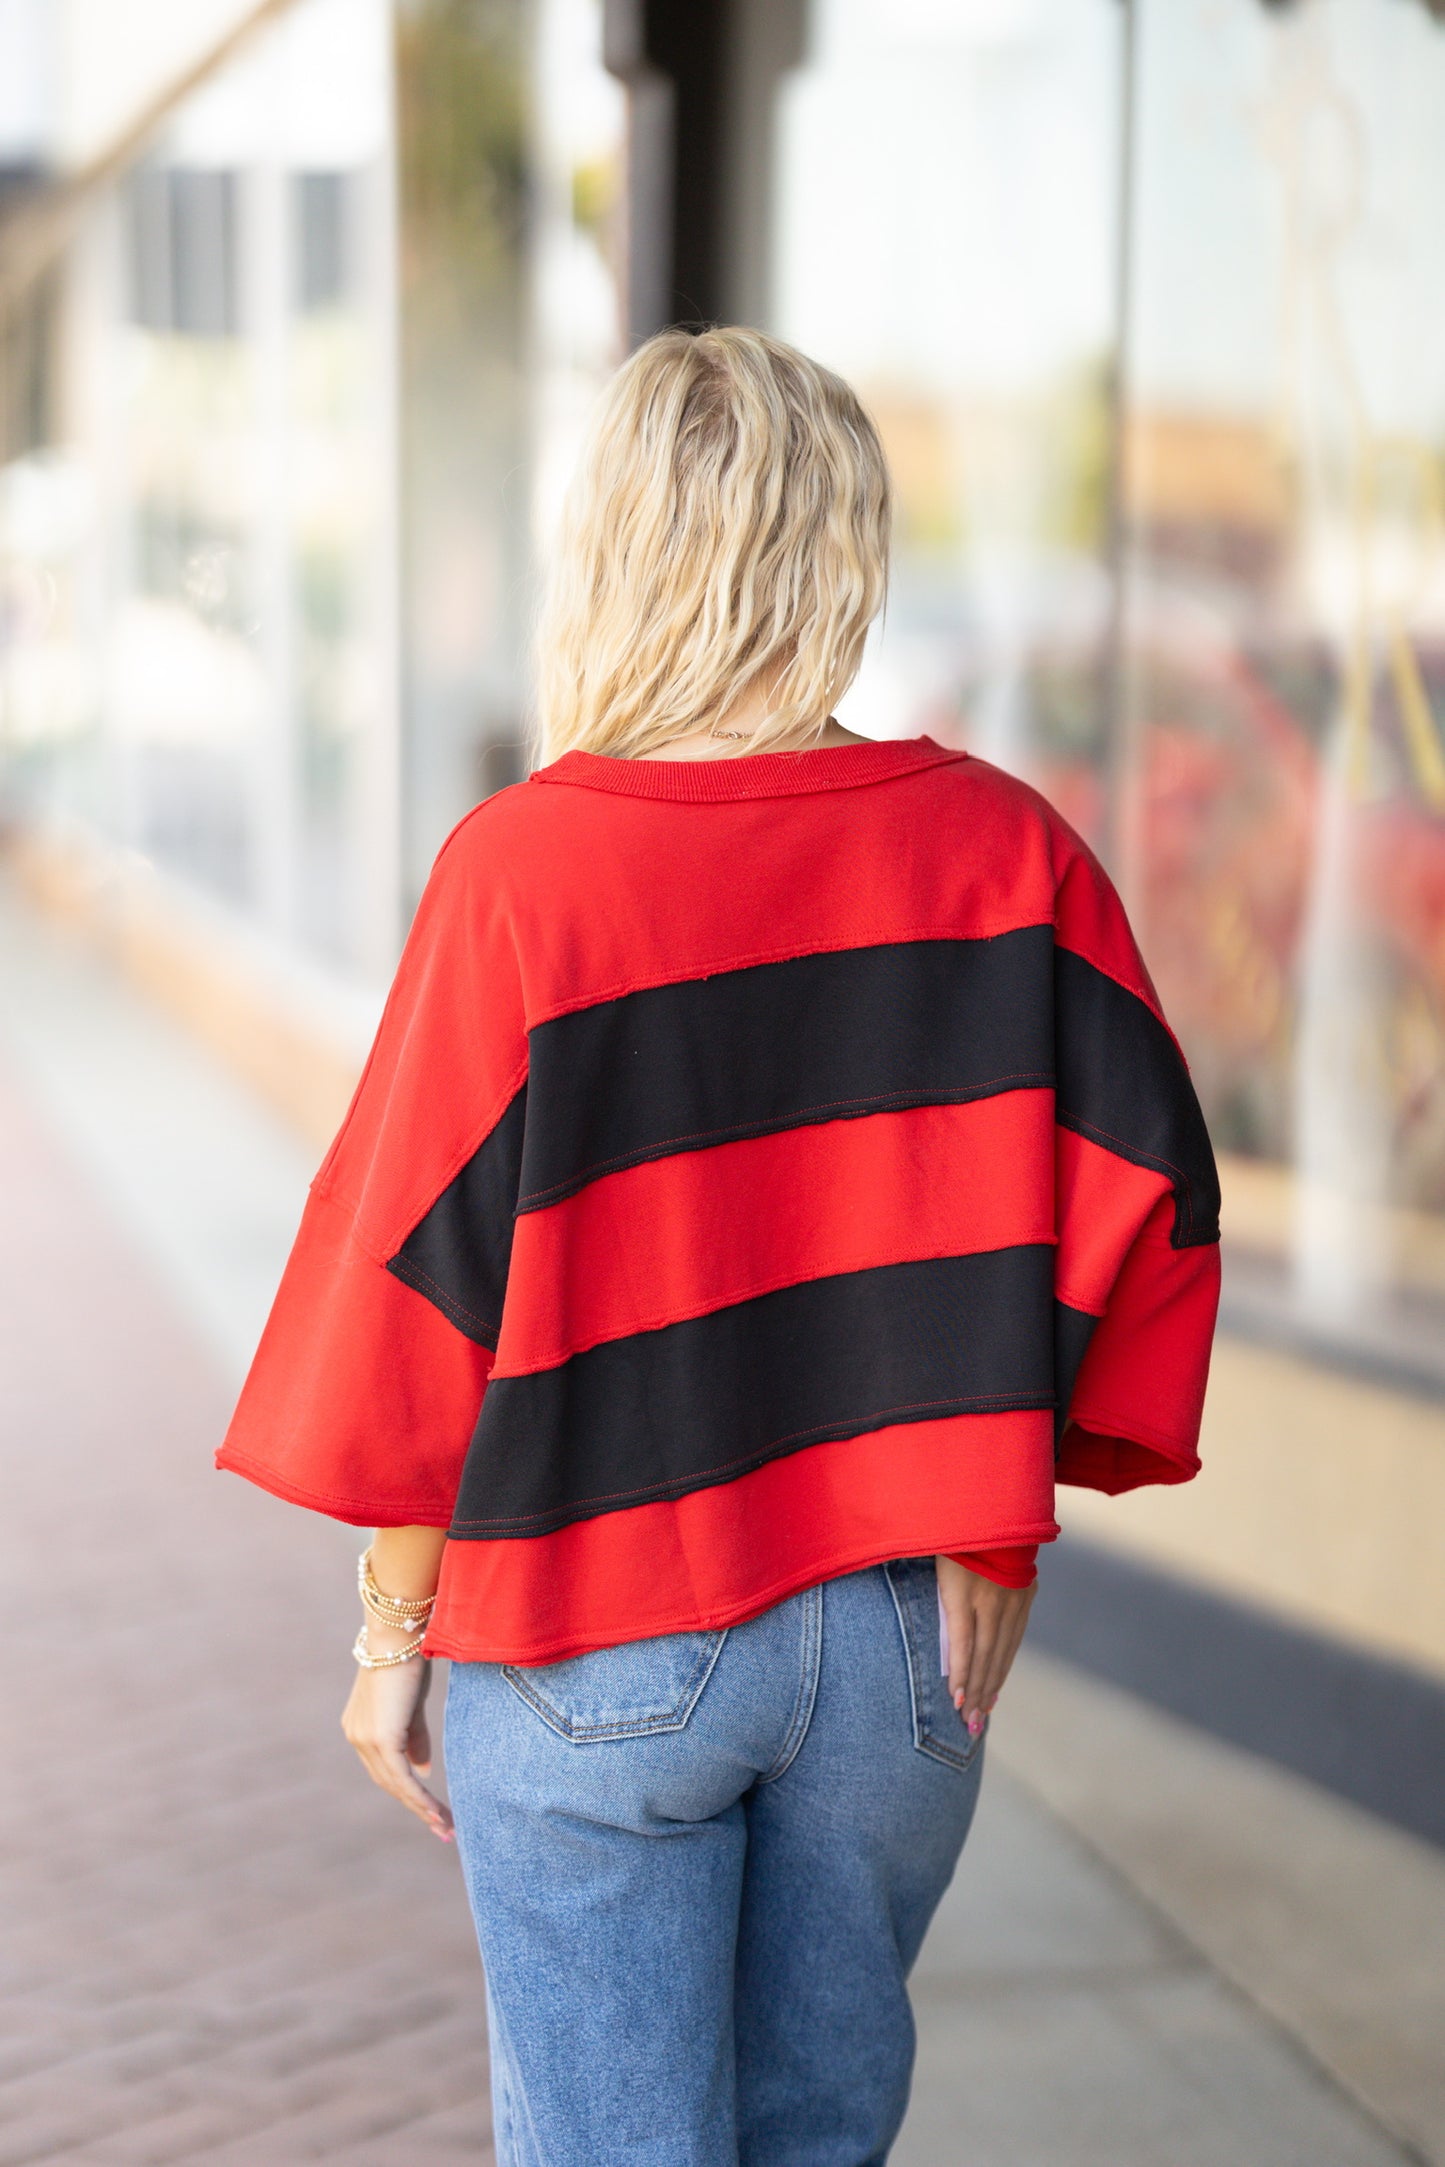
{"x":363,"y":1656}
{"x":405,"y":1612}
{"x":381,"y":1611}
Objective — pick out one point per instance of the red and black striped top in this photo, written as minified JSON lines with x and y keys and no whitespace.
{"x":757,"y":1161}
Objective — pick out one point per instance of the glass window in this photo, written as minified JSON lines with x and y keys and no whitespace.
{"x":204,"y":668}
{"x":464,"y":162}
{"x":946,"y":237}
{"x":511,"y":155}
{"x":1172,"y":531}
{"x":579,"y":238}
{"x":1285,"y":613}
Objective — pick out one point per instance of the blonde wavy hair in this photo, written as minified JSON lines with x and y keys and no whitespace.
{"x":728,"y":525}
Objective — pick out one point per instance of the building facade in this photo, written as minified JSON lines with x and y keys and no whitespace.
{"x":301,"y":319}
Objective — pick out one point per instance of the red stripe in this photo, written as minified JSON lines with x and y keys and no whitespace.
{"x":816,"y":878}
{"x":800,"y":875}
{"x":723,"y":1554}
{"x":680,"y":1236}
{"x":1103,"y":1201}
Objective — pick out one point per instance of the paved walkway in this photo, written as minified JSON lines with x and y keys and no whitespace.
{"x":222,"y":1946}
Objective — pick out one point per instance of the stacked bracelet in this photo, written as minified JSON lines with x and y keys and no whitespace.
{"x":405,"y":1612}
{"x":368,"y":1661}
{"x":401,"y":1613}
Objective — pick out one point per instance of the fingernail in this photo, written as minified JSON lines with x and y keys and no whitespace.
{"x":975,"y":1724}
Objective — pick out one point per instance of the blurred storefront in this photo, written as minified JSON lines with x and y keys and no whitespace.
{"x":301,"y":315}
{"x":281,"y":353}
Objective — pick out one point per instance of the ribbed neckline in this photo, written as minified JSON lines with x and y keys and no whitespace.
{"x":749,"y":774}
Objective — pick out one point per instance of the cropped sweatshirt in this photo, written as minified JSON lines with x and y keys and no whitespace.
{"x":765,"y":1167}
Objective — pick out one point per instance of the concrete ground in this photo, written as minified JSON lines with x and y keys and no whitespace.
{"x":223,"y":1946}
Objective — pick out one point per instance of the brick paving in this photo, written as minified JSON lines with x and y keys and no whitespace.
{"x":221,"y":1944}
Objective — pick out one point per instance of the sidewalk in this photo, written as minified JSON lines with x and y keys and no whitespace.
{"x":220,"y":1945}
{"x":224,"y":1946}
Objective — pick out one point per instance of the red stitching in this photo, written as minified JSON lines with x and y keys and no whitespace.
{"x":1136,"y":992}
{"x":828,"y":1268}
{"x":1130,"y":1430}
{"x":894,"y":936}
{"x":383,"y":1251}
{"x":232,"y":1461}
{"x":1036,"y":1078}
{"x":1155,"y":1158}
{"x":413,"y":1272}
{"x":979,"y":1402}
{"x":943,"y":756}
{"x":1062,"y":1294}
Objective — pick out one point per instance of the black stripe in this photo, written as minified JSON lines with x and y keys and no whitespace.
{"x":1122,"y":1083}
{"x":458,"y":1256}
{"x":782,"y":1045}
{"x":706,"y":1400}
{"x":817,"y":1038}
{"x":1073,"y":1329}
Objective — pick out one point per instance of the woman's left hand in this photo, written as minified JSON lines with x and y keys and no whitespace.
{"x":985,"y":1626}
{"x":385,"y":1719}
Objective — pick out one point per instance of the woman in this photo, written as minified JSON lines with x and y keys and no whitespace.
{"x":772,"y":1175}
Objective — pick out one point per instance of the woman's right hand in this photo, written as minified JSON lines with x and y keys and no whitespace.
{"x":985,"y":1626}
{"x":385,"y":1720}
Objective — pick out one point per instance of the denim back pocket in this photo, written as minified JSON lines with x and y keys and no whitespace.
{"x":938,"y":1728}
{"x":629,"y":1691}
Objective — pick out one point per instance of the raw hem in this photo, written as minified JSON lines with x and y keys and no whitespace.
{"x":531,"y":1655}
{"x":357,"y":1512}
{"x":1115,"y":1457}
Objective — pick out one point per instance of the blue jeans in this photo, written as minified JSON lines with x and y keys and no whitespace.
{"x":701,"y":1868}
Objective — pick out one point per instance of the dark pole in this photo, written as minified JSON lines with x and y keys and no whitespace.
{"x":673,"y":57}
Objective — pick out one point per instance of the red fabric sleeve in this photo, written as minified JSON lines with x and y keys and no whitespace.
{"x":449,"y":1056}
{"x":1139,"y":1398}
{"x":362,"y":1398}
{"x":1015,"y":1567}
{"x":1139,"y":1394}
